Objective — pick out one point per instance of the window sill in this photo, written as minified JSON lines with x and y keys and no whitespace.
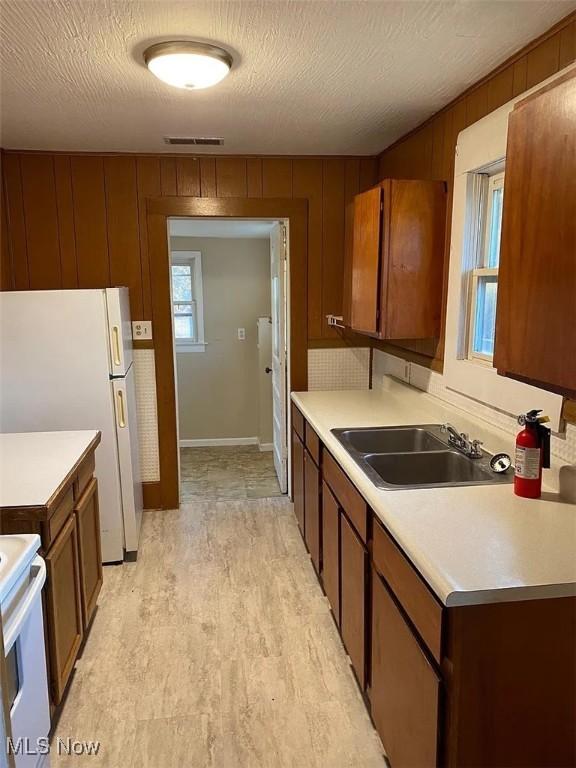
{"x":485,"y":362}
{"x":199,"y":346}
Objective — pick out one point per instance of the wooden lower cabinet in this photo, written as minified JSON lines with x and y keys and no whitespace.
{"x":331,"y":550}
{"x":88,"y":525}
{"x":68,"y":525}
{"x":312,"y":529}
{"x":475,"y":686}
{"x":404,"y":692}
{"x":298,"y":479}
{"x":353,"y":561}
{"x":64,"y":605}
{"x":510,"y":685}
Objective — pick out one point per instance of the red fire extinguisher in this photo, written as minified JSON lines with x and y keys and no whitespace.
{"x":532,"y":454}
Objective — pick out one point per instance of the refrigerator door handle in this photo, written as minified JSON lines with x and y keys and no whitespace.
{"x":121,"y":411}
{"x":116,"y":344}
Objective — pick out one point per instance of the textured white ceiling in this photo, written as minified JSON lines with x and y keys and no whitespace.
{"x":220,"y":228}
{"x":319,"y":76}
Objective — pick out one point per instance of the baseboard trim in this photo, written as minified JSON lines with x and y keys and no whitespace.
{"x":265,"y":446}
{"x":214,"y":441}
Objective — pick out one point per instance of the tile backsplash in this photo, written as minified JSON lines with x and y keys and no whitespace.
{"x":147,"y":415}
{"x":563,"y":446}
{"x":339,"y":368}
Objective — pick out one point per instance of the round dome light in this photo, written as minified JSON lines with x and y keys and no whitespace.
{"x":186,"y":64}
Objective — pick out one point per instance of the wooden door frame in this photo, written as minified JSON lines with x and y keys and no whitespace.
{"x":158,"y":211}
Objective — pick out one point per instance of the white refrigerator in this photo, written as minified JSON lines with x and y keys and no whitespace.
{"x":66,"y":363}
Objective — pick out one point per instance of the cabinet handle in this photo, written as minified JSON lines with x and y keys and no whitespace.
{"x":116,"y":344}
{"x":121,"y":414}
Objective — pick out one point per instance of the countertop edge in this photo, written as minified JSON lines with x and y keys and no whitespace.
{"x":43,"y":508}
{"x":439,"y":586}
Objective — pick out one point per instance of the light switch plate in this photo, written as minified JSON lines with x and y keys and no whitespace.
{"x":241,"y":334}
{"x":142,"y":330}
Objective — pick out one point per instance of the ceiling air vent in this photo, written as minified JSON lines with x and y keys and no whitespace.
{"x":196,"y":141}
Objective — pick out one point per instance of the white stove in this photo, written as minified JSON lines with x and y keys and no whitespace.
{"x":22,"y":576}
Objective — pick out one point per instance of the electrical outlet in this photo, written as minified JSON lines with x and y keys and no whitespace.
{"x":241,"y":334}
{"x":142,"y":330}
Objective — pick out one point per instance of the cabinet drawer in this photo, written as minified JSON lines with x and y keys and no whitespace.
{"x":331,"y":550}
{"x":353,"y":560}
{"x":63,"y":607}
{"x":59,"y":517}
{"x":424,"y":610}
{"x":350,"y":500}
{"x":312,"y":528}
{"x":298,"y":422}
{"x":313,"y":443}
{"x":84,"y":475}
{"x":88,"y":525}
{"x":298,"y":479}
{"x":405,"y":688}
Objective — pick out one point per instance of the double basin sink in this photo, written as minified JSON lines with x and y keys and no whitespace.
{"x":419,"y":456}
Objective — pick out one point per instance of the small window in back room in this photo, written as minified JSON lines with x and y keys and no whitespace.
{"x":187,"y":300}
{"x":484,"y":275}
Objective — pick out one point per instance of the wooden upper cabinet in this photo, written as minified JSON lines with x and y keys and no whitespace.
{"x":536,"y":315}
{"x":395,"y":276}
{"x":366,"y":261}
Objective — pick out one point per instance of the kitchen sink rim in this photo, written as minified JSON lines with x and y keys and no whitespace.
{"x":481,"y":465}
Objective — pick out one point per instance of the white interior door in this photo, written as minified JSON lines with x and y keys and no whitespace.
{"x":278,"y":276}
{"x":265,"y":416}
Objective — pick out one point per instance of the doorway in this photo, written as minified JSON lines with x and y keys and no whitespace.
{"x":158,"y":211}
{"x":230,"y":323}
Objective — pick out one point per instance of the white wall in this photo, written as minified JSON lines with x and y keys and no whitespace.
{"x":218,"y":388}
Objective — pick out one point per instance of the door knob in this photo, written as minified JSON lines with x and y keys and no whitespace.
{"x":268,"y":370}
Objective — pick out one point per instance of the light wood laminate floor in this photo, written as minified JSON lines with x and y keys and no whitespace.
{"x":217,"y":648}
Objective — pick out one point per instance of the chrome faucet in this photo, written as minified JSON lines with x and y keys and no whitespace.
{"x":462,"y":442}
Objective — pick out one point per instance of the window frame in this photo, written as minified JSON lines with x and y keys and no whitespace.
{"x":194,"y":260}
{"x":482,"y":269}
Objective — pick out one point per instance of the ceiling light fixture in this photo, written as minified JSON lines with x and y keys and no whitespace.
{"x":187,"y":64}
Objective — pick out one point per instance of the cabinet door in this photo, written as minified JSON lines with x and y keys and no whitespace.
{"x":312,"y":509}
{"x":298,"y":479}
{"x":536,"y":312}
{"x":331,"y":550}
{"x":413,"y":259}
{"x":404,"y":687}
{"x":88,"y":522}
{"x":64,"y":609}
{"x":365,"y":272}
{"x":353,"y":557}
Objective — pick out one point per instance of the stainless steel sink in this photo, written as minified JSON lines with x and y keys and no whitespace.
{"x":418,"y":456}
{"x":391,"y":439}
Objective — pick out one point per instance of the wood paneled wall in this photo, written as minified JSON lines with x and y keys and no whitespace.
{"x":79,"y":221}
{"x":428,"y":152}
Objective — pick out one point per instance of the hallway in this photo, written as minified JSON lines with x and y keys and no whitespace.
{"x":227,"y":472}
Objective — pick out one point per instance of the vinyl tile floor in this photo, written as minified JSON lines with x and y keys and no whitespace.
{"x":216,"y":649}
{"x":228,"y":472}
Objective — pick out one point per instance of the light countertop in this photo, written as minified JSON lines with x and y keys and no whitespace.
{"x":472,"y":544}
{"x":33,"y":465}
